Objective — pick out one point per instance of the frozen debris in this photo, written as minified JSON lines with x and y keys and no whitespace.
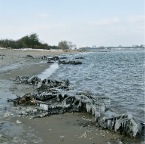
{"x":55,"y":97}
{"x":44,"y":106}
{"x":6,"y":115}
{"x":27,"y":80}
{"x":119,"y":142}
{"x":27,"y":99}
{"x":62,"y":60}
{"x":79,"y":57}
{"x":123,"y":123}
{"x":2,"y":138}
{"x":18,"y":122}
{"x":84,"y":135}
{"x":74,"y":62}
{"x":83,"y":117}
{"x":18,"y":140}
{"x":61,"y":138}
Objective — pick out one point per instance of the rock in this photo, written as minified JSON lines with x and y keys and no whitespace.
{"x":2,"y":138}
{"x":55,"y":97}
{"x":54,"y":58}
{"x":27,"y":80}
{"x":2,"y":55}
{"x":27,"y":99}
{"x":119,"y":142}
{"x":29,"y":56}
{"x":70,"y":62}
{"x":79,"y":58}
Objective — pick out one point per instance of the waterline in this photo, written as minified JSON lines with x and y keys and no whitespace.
{"x":48,"y":72}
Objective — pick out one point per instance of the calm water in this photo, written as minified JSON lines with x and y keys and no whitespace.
{"x":118,"y":75}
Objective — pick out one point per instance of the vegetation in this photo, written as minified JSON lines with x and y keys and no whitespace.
{"x":66,"y":45}
{"x":32,"y":41}
{"x":29,"y":41}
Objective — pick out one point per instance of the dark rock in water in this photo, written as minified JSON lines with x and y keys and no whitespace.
{"x":2,"y":55}
{"x":29,"y":56}
{"x":70,"y":62}
{"x":61,"y":60}
{"x":62,"y":57}
{"x":79,"y":58}
{"x":143,"y":129}
{"x":50,"y":61}
{"x":44,"y":57}
{"x":54,"y":58}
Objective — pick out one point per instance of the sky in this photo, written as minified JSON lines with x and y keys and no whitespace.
{"x":83,"y":22}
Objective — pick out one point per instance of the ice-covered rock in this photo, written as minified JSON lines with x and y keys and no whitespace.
{"x":55,"y":97}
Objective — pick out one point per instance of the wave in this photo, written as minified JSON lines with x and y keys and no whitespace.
{"x":48,"y":72}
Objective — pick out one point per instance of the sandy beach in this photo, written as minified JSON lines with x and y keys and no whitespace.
{"x":68,"y":128}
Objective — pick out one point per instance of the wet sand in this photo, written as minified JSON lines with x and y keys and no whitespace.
{"x":10,"y":56}
{"x":69,"y":128}
{"x":66,"y":128}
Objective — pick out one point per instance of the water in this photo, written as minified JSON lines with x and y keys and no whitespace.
{"x":48,"y":72}
{"x":116,"y":74}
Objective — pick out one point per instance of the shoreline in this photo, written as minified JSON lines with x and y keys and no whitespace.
{"x":65,"y":126}
{"x":10,"y":56}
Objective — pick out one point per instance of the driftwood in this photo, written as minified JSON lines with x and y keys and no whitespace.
{"x":53,"y":97}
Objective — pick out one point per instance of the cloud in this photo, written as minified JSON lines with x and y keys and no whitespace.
{"x":106,"y":21}
{"x":136,"y":18}
{"x":43,"y":15}
{"x":106,"y":31}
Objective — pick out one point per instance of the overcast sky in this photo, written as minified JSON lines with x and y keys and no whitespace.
{"x":84,"y":22}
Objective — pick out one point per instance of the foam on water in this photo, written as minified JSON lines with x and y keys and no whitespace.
{"x":48,"y":72}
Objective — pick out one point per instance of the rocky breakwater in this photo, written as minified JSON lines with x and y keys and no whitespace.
{"x":57,"y":97}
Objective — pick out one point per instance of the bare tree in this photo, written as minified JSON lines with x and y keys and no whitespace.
{"x":66,"y":45}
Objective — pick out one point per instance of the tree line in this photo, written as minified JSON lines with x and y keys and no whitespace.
{"x":32,"y":41}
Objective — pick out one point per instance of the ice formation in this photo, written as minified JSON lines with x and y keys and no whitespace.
{"x":55,"y":97}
